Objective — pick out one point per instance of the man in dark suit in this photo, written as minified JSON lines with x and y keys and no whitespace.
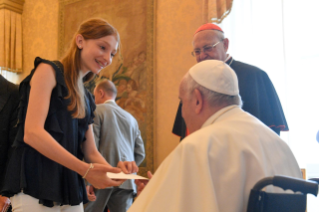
{"x":9,"y":100}
{"x":256,"y":89}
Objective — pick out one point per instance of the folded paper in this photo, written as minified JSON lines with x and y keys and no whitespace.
{"x":124,"y":176}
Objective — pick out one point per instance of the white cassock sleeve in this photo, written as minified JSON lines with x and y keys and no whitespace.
{"x":178,"y":185}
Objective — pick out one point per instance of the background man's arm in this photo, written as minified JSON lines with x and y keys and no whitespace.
{"x":139,"y":150}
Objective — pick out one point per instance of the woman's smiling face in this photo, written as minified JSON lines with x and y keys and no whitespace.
{"x":96,"y":54}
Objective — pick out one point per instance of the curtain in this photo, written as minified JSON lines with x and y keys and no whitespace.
{"x":10,"y":41}
{"x":217,"y":10}
{"x":281,"y":38}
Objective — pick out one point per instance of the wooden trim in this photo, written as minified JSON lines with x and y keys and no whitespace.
{"x":12,"y":5}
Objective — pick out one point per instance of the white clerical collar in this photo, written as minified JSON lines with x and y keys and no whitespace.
{"x":228,"y":58}
{"x":109,"y":100}
{"x":216,"y":115}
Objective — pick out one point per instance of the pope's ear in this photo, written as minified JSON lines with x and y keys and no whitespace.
{"x":199,"y":101}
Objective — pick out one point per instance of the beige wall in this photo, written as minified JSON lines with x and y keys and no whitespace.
{"x":175,"y":24}
{"x":40,"y":32}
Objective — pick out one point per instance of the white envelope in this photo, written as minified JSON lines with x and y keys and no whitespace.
{"x":121,"y":175}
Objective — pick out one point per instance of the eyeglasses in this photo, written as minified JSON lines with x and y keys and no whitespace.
{"x":206,"y":49}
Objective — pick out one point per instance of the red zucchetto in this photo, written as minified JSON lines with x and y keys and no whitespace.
{"x":208,"y":26}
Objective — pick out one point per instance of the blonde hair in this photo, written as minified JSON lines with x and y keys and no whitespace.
{"x":91,"y":29}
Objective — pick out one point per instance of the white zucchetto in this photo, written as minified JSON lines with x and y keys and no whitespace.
{"x":216,"y":76}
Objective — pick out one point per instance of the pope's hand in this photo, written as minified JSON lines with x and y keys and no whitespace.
{"x":142,"y":183}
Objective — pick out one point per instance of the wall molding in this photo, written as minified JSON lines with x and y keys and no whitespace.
{"x":12,"y":5}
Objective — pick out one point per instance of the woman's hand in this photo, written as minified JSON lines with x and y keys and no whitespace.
{"x":98,"y":179}
{"x":128,"y":167}
{"x":90,"y":193}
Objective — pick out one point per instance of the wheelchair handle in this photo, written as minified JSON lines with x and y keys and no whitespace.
{"x":284,"y":182}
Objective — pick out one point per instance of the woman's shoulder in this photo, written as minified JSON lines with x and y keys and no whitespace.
{"x":55,"y":67}
{"x":48,"y":74}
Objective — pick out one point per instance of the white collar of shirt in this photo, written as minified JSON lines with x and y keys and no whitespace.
{"x":215,"y":116}
{"x":109,"y":100}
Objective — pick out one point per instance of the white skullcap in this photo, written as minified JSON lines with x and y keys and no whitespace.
{"x":216,"y":76}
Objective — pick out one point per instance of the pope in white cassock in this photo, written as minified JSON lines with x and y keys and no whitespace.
{"x":227,"y":152}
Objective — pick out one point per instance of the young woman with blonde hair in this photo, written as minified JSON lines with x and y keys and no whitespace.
{"x":54,"y":148}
